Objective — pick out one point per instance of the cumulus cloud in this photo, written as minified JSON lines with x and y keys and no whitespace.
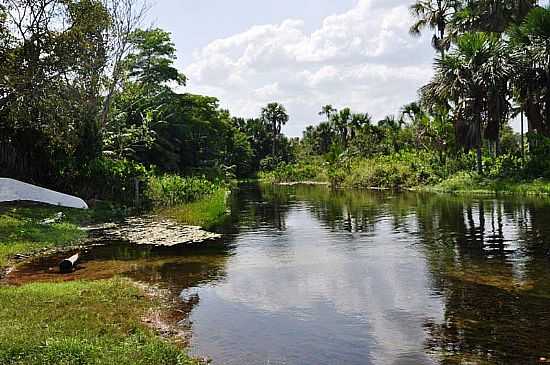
{"x":363,"y":58}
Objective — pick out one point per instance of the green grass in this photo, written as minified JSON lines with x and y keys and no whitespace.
{"x":80,"y":323}
{"x":22,"y":231}
{"x":471,"y":183}
{"x":207,"y":212}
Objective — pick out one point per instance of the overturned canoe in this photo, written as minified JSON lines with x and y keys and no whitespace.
{"x":14,"y":190}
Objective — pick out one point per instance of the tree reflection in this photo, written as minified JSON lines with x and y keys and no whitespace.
{"x":488,"y":260}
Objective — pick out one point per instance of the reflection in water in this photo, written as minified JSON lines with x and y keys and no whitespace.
{"x":359,"y":277}
{"x":306,"y":275}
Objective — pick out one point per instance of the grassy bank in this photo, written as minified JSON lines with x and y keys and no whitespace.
{"x":80,"y":323}
{"x":23,"y":230}
{"x":471,"y":183}
{"x":26,"y":228}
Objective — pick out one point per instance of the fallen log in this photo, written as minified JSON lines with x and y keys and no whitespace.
{"x":68,"y":265}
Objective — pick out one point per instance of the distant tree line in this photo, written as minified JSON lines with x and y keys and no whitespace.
{"x":492,"y":65}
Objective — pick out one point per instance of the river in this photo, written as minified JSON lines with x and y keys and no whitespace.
{"x":306,"y":275}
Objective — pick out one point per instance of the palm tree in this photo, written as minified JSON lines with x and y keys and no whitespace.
{"x":341,"y":122}
{"x":468,"y":77}
{"x":493,"y":16}
{"x":358,"y":121}
{"x":328,"y":111}
{"x":275,"y":115}
{"x":530,"y":49}
{"x":434,"y":15}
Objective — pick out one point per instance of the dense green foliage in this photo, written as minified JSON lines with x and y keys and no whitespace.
{"x":170,"y":190}
{"x":101,"y":123}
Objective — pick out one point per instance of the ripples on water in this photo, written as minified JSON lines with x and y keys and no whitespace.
{"x":309,"y":276}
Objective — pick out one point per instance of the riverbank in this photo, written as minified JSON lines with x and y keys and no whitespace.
{"x":467,"y":183}
{"x":101,"y":321}
{"x":391,"y":173}
{"x":206,"y":212}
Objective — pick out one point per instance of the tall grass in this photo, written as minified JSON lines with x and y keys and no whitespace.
{"x":207,"y":212}
{"x":171,"y":190}
{"x":189,"y":200}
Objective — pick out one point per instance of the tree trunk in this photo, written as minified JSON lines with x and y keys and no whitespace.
{"x":479,"y":147}
{"x":522,"y":141}
{"x":274,"y":147}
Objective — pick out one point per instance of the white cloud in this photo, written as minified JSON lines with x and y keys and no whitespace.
{"x":363,"y":58}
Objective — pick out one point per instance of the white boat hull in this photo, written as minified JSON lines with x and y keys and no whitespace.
{"x":14,"y":190}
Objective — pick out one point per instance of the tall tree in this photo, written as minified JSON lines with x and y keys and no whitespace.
{"x":328,"y":110}
{"x":493,"y":16}
{"x":275,"y":115}
{"x":434,"y":15}
{"x":51,"y":75}
{"x":127,"y":16}
{"x":152,"y":63}
{"x":530,"y":49}
{"x":341,"y":122}
{"x":467,"y":77}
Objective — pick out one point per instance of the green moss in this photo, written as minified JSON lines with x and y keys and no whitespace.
{"x":207,"y":212}
{"x":80,"y":323}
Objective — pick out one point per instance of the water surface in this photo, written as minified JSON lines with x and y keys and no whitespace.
{"x":306,"y":275}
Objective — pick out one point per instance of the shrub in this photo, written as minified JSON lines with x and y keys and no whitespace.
{"x":406,"y":169}
{"x":380,"y":172}
{"x":503,"y":166}
{"x":538,"y":164}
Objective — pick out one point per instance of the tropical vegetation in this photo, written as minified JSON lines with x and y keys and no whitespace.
{"x":492,"y":66}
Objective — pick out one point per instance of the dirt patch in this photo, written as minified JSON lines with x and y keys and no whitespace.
{"x":171,"y":318}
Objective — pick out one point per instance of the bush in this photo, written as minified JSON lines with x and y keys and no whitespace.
{"x":171,"y":190}
{"x":538,"y":164}
{"x":382,"y":172}
{"x":504,"y":166}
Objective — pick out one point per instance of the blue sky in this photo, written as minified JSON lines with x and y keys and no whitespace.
{"x":302,"y":53}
